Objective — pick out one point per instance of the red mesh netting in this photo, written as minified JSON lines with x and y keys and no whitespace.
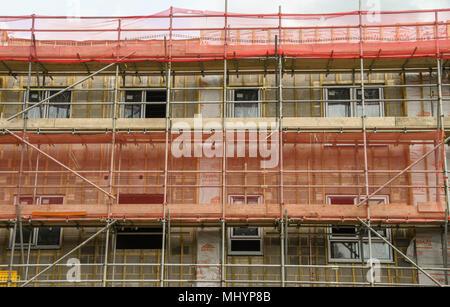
{"x":189,"y":35}
{"x":404,"y":171}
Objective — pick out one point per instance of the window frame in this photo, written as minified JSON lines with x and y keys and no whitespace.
{"x":143,"y":103}
{"x":125,"y":103}
{"x":34,"y":244}
{"x":35,"y":230}
{"x":381,"y":103}
{"x":233,"y":96}
{"x":230,"y":197}
{"x":332,"y":238}
{"x":353,"y":96}
{"x":146,"y":103}
{"x":156,"y":235}
{"x":45,"y":107}
{"x":232,"y":237}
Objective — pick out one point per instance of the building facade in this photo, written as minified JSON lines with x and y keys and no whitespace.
{"x":261,"y":160}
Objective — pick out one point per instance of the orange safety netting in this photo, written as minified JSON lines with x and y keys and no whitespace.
{"x":314,"y":169}
{"x":190,"y":35}
{"x":288,"y":138}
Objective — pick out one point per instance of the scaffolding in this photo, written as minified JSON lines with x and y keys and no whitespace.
{"x":365,"y":138}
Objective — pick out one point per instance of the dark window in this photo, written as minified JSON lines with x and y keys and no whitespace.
{"x":372,"y":107}
{"x":132,"y":110}
{"x":246,"y":245}
{"x":338,"y":108}
{"x":245,"y":231}
{"x":48,"y":236}
{"x":59,"y":110}
{"x":26,"y":232}
{"x":343,"y":230}
{"x":140,"y":238}
{"x":35,"y":97}
{"x":246,"y":109}
{"x":141,"y":198}
{"x":155,"y":109}
{"x":245,"y":241}
{"x":41,"y":237}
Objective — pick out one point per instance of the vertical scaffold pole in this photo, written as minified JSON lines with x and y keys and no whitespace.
{"x":224,"y":146}
{"x":286,"y":241}
{"x":441,"y":126}
{"x":224,"y":114}
{"x":114,"y":242}
{"x":168,"y":93}
{"x":19,"y":208}
{"x":166,"y":153}
{"x":224,"y":140}
{"x":163,"y":255}
{"x":11,"y":258}
{"x":223,"y":259}
{"x":113,"y":140}
{"x":168,"y":246}
{"x":28,"y":258}
{"x":114,"y":123}
{"x":279,"y":78}
{"x":282,"y":252}
{"x":105,"y":262}
{"x":169,"y":84}
{"x":19,"y":178}
{"x":166,"y":158}
{"x":363,"y":120}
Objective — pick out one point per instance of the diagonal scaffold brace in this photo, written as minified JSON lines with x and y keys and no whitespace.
{"x":363,"y":201}
{"x":400,"y":252}
{"x":110,"y":223}
{"x":60,"y":163}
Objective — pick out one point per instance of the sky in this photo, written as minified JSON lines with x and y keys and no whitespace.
{"x":143,"y":7}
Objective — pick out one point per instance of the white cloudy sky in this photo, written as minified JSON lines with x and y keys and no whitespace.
{"x":147,"y":7}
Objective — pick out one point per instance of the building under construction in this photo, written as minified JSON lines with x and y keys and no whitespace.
{"x":197,"y":148}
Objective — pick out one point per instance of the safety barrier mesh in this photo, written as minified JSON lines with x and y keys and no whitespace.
{"x":305,"y":175}
{"x":190,"y":35}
